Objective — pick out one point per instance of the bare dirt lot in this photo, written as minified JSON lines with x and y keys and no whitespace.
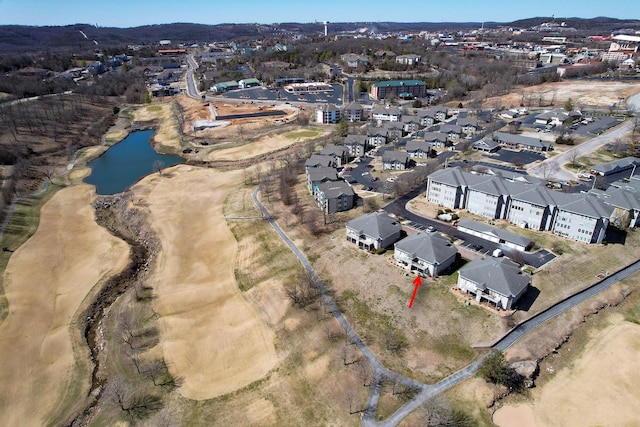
{"x":46,"y":281}
{"x":211,"y":336}
{"x":568,"y":399}
{"x":582,"y":92}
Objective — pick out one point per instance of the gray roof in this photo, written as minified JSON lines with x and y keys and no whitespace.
{"x":432,"y":248}
{"x":486,"y":143}
{"x":616,"y":165}
{"x":355,"y":140}
{"x":584,"y":204}
{"x":333,"y":150}
{"x":353,"y":106}
{"x":377,"y":225}
{"x":499,"y":275}
{"x":536,"y":195}
{"x":489,"y":184}
{"x":318,"y":160}
{"x":507,"y":236}
{"x":322,"y":173}
{"x":467,"y":122}
{"x":521,"y":140}
{"x":450,"y":128}
{"x":328,"y":108}
{"x":334,"y":189}
{"x":395,"y":156}
{"x":621,"y":198}
{"x":435,"y":137}
{"x":392,"y":125}
{"x":415,"y":145}
{"x":630,"y":184}
{"x":410,"y":119}
{"x":390,"y":110}
{"x":454,"y":177}
{"x":431,"y":112}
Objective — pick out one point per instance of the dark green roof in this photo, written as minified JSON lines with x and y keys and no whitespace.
{"x":393,"y":83}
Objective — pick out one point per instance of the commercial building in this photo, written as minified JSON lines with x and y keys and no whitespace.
{"x":398,"y":89}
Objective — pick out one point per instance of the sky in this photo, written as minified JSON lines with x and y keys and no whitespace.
{"x":132,"y":13}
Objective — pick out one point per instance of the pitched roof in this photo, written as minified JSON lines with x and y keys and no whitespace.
{"x":454,"y":177}
{"x":621,"y":198}
{"x":486,"y":143}
{"x":395,"y":156}
{"x":521,"y":140}
{"x":415,"y":145}
{"x":432,"y":248}
{"x":584,"y":204}
{"x":334,"y":189}
{"x":319,"y":174}
{"x":536,"y":195}
{"x":355,"y":140}
{"x":318,"y":160}
{"x":616,"y":165}
{"x":353,"y":106}
{"x":390,"y":110}
{"x":499,"y":275}
{"x":392,"y":125}
{"x":489,"y":184}
{"x":377,"y":225}
{"x":435,"y":137}
{"x":333,"y":150}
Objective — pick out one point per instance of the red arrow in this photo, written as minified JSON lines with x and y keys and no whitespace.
{"x":418,"y":282}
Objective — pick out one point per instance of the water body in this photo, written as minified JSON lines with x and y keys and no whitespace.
{"x":126,"y":162}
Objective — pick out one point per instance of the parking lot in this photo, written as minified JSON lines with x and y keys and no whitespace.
{"x":280,"y":95}
{"x":522,"y":157}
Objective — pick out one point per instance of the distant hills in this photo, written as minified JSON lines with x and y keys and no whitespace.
{"x":19,"y":38}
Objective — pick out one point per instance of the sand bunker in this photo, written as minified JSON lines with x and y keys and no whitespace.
{"x":211,"y":336}
{"x":46,"y":280}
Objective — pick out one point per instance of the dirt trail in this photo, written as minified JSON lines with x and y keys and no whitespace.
{"x":47,"y":280}
{"x":211,"y":336}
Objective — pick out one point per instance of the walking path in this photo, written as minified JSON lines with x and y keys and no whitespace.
{"x":427,"y":391}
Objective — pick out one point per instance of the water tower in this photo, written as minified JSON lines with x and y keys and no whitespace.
{"x":326,"y":28}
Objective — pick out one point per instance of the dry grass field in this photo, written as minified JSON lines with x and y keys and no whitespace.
{"x":568,"y":398}
{"x":272,"y":141}
{"x":47,"y":280}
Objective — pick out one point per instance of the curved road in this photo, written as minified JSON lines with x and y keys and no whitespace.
{"x":552,"y":167}
{"x":426,"y":391}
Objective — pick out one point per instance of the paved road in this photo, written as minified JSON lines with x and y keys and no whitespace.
{"x":398,"y":207}
{"x":192,"y":90}
{"x":552,"y":167}
{"x":426,"y":391}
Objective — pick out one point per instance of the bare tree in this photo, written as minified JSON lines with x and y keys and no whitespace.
{"x":364,"y":372}
{"x":574,"y":155}
{"x":351,"y":398}
{"x":135,"y":406}
{"x":349,"y":355}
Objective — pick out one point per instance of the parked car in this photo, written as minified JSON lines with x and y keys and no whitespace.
{"x":365,"y":173}
{"x":477,"y":247}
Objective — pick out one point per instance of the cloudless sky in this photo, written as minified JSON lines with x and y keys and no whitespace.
{"x":131,"y":13}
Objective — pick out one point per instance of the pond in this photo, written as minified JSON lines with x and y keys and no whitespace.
{"x":126,"y":162}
